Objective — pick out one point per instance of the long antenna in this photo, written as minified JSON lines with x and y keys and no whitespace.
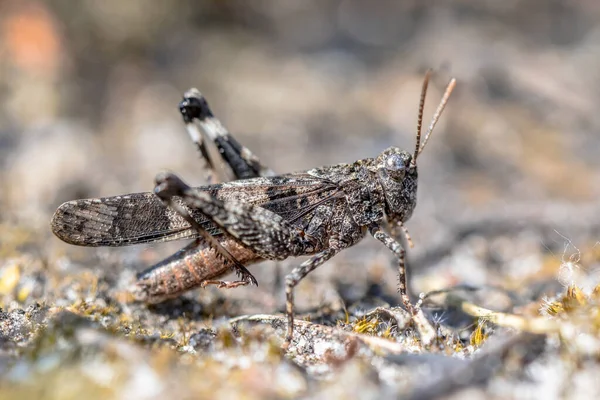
{"x":436,"y":116}
{"x":420,"y":115}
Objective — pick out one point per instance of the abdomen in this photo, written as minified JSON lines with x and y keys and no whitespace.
{"x":187,"y":269}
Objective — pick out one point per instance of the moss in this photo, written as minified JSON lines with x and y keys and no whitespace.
{"x":366,"y":326}
{"x":479,"y":335}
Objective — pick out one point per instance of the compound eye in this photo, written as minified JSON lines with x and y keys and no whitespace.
{"x":396,"y":165}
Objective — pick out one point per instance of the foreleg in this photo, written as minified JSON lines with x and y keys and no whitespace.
{"x":397,"y":248}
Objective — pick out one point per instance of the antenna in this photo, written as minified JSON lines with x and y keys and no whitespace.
{"x":420,"y":115}
{"x":436,"y":116}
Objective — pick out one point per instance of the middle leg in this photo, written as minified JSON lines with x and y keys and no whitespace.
{"x":293,"y":279}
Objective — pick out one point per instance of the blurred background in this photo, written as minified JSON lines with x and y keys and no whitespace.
{"x":90,"y":92}
{"x":509,"y":183}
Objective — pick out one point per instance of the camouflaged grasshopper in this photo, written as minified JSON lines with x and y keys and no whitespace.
{"x":259,"y":216}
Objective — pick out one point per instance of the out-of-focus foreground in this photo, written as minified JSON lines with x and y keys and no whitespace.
{"x":508,"y":216}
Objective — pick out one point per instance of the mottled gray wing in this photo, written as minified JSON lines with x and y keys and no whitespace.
{"x":118,"y":221}
{"x":142,"y":217}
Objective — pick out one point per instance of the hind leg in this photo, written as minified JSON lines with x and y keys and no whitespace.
{"x":241,"y":161}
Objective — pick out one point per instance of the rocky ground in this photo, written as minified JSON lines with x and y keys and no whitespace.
{"x":506,"y":233}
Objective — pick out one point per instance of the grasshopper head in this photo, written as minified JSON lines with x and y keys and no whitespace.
{"x":397,"y":175}
{"x":397,"y":169}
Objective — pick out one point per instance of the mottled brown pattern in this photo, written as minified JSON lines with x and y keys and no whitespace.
{"x":318,"y":212}
{"x":187,"y":269}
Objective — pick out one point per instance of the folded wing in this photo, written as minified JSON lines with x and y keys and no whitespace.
{"x":142,"y":217}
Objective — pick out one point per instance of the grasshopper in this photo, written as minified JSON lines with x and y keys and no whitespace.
{"x":257,"y":216}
